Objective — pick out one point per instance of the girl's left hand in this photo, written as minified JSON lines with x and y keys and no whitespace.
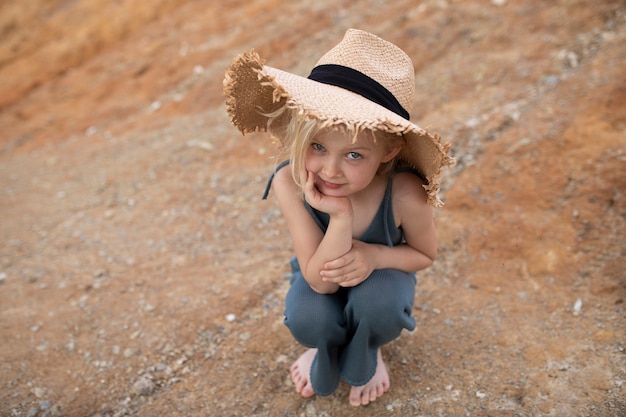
{"x":352,"y":268}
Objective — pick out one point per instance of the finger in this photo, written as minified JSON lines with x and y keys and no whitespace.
{"x":304,"y":177}
{"x":336,"y":264}
{"x":343,"y":261}
{"x":334,"y":274}
{"x":334,"y":278}
{"x":350,"y":283}
{"x":307,"y":184}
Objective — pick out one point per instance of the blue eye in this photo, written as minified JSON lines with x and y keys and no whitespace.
{"x":318,"y":147}
{"x":354,"y":155}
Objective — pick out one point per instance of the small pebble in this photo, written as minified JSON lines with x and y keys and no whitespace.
{"x":143,"y":387}
{"x":38,"y":392}
{"x":578,"y":305}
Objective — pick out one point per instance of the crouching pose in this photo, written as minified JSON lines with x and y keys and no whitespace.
{"x":357,"y":189}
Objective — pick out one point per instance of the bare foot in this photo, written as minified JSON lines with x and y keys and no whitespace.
{"x":301,"y":373}
{"x":376,"y":387}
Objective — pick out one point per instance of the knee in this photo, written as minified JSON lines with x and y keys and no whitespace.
{"x":310,"y":328}
{"x":386,"y":299}
{"x":377,"y":312}
{"x":382,"y":320}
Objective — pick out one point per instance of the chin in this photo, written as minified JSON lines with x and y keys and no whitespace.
{"x":332,"y":192}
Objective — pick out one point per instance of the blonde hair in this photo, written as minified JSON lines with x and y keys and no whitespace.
{"x":296,"y":133}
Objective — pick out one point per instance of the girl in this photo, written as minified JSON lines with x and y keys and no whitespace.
{"x":357,"y":199}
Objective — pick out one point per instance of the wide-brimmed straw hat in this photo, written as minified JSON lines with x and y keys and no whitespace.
{"x":362,"y":83}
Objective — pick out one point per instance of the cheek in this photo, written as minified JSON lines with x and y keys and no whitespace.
{"x":355,"y":175}
{"x":311,"y":163}
{"x":362,"y":174}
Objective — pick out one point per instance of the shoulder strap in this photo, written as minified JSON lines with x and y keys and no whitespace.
{"x":388,"y":212}
{"x":269,"y":181}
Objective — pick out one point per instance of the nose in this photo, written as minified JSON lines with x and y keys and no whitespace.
{"x":332,"y":168}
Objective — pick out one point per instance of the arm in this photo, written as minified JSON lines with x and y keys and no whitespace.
{"x":313,"y":247}
{"x":418,"y":252}
{"x":415,"y":216}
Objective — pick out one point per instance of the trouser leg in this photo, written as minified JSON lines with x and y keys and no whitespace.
{"x":376,"y":312}
{"x":317,"y":321}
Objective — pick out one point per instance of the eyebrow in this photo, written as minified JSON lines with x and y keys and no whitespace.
{"x":350,"y":148}
{"x":359,"y":148}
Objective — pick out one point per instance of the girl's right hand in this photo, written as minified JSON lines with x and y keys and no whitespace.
{"x":334,"y":206}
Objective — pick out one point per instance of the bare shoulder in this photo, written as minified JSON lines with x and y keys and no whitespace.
{"x":283,"y":184}
{"x":409,"y":188}
{"x":409,"y":197}
{"x":283,"y":174}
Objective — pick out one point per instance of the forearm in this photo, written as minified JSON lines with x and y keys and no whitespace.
{"x":402,"y":257}
{"x":336,"y":242}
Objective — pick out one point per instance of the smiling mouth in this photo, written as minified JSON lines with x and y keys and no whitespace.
{"x":330,"y":185}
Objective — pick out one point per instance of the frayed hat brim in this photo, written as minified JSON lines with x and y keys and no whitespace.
{"x":254,"y":90}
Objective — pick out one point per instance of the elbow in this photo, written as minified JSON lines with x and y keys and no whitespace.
{"x":432,"y":256}
{"x":431,"y":260}
{"x":324,"y":288}
{"x":318,"y":285}
{"x":428,"y":260}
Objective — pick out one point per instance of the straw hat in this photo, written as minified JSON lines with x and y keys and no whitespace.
{"x":362,"y":83}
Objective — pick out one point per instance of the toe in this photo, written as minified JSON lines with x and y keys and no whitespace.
{"x":358,"y":398}
{"x":307,"y":391}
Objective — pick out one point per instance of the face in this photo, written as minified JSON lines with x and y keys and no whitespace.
{"x":342,"y":167}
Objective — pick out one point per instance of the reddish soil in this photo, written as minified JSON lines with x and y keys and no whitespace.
{"x":141,"y":274}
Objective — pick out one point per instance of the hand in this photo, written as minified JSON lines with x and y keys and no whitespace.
{"x":352,"y":268}
{"x":334,"y":206}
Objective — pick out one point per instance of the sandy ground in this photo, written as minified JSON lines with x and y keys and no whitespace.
{"x":141,"y":274}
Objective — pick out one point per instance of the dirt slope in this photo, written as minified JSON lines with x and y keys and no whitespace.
{"x":140,"y":274}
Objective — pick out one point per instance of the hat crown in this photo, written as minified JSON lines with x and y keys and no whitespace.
{"x":377,"y":58}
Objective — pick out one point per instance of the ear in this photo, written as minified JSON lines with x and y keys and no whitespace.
{"x":391,"y":153}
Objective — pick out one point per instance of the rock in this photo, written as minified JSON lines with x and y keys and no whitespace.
{"x":32,"y":412}
{"x":143,"y":387}
{"x":578,"y":306}
{"x":38,"y":392}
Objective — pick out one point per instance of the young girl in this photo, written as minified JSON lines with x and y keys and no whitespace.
{"x":356,"y":192}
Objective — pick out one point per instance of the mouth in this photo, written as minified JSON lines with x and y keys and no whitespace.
{"x":329,"y":185}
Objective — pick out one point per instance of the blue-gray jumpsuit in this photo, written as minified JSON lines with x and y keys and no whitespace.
{"x":349,"y":326}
